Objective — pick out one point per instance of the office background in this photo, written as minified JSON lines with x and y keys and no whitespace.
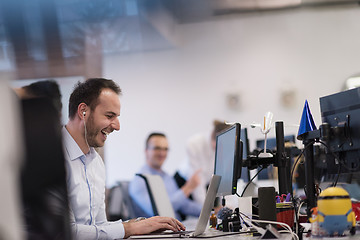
{"x":232,"y":67}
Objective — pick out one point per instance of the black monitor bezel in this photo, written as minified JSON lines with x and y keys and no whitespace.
{"x":237,"y":165}
{"x":245,"y":151}
{"x":245,"y":139}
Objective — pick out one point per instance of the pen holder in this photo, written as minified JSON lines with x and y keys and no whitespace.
{"x":285,"y":213}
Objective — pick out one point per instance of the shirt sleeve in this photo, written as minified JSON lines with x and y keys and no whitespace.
{"x":199,"y":193}
{"x":102,"y":230}
{"x":178,"y":199}
{"x":191,"y":208}
{"x":184,"y":205}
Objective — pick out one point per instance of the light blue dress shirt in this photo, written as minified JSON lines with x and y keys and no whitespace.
{"x":179,"y":201}
{"x":86,"y":189}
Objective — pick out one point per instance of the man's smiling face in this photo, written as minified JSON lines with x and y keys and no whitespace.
{"x":156,"y":151}
{"x":103,"y":119}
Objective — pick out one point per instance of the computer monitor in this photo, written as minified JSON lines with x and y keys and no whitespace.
{"x":340,"y":114}
{"x":228,"y":159}
{"x":245,"y":172}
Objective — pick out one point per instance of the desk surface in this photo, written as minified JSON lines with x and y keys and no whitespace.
{"x":232,"y":236}
{"x":191,"y":224}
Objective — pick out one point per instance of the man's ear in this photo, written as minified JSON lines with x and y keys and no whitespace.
{"x":82,"y":108}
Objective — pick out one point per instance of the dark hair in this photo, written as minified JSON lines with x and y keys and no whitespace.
{"x":48,"y":89}
{"x":218,"y":127}
{"x":154,"y":134}
{"x":88,"y":92}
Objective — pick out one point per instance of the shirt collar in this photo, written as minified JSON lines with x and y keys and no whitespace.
{"x":153,"y":171}
{"x":72,"y":148}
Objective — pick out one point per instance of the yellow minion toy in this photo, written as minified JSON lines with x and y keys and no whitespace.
{"x":335,"y":214}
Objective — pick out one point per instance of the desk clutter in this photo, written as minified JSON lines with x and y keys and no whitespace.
{"x":334,"y":148}
{"x":335,"y":216}
{"x":267,"y":222}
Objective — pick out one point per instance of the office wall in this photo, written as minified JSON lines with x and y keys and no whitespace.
{"x":257,"y":56}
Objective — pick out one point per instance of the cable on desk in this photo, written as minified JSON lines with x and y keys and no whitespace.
{"x":287,"y":227}
{"x":247,"y":185}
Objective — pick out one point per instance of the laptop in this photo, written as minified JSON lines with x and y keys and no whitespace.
{"x":199,"y":231}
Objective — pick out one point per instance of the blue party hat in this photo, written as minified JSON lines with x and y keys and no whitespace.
{"x":307,"y":123}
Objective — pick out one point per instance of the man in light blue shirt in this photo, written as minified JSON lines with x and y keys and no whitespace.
{"x":155,"y":154}
{"x":94,"y":108}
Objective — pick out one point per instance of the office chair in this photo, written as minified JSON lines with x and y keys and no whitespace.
{"x":120,"y":204}
{"x":159,"y":197}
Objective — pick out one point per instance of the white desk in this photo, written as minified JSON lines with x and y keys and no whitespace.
{"x":190,"y":224}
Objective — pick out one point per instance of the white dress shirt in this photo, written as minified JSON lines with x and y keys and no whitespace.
{"x":86,"y":189}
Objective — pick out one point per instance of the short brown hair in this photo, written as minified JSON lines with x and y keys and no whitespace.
{"x":154,"y":134}
{"x":218,"y":127}
{"x":88,"y":92}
